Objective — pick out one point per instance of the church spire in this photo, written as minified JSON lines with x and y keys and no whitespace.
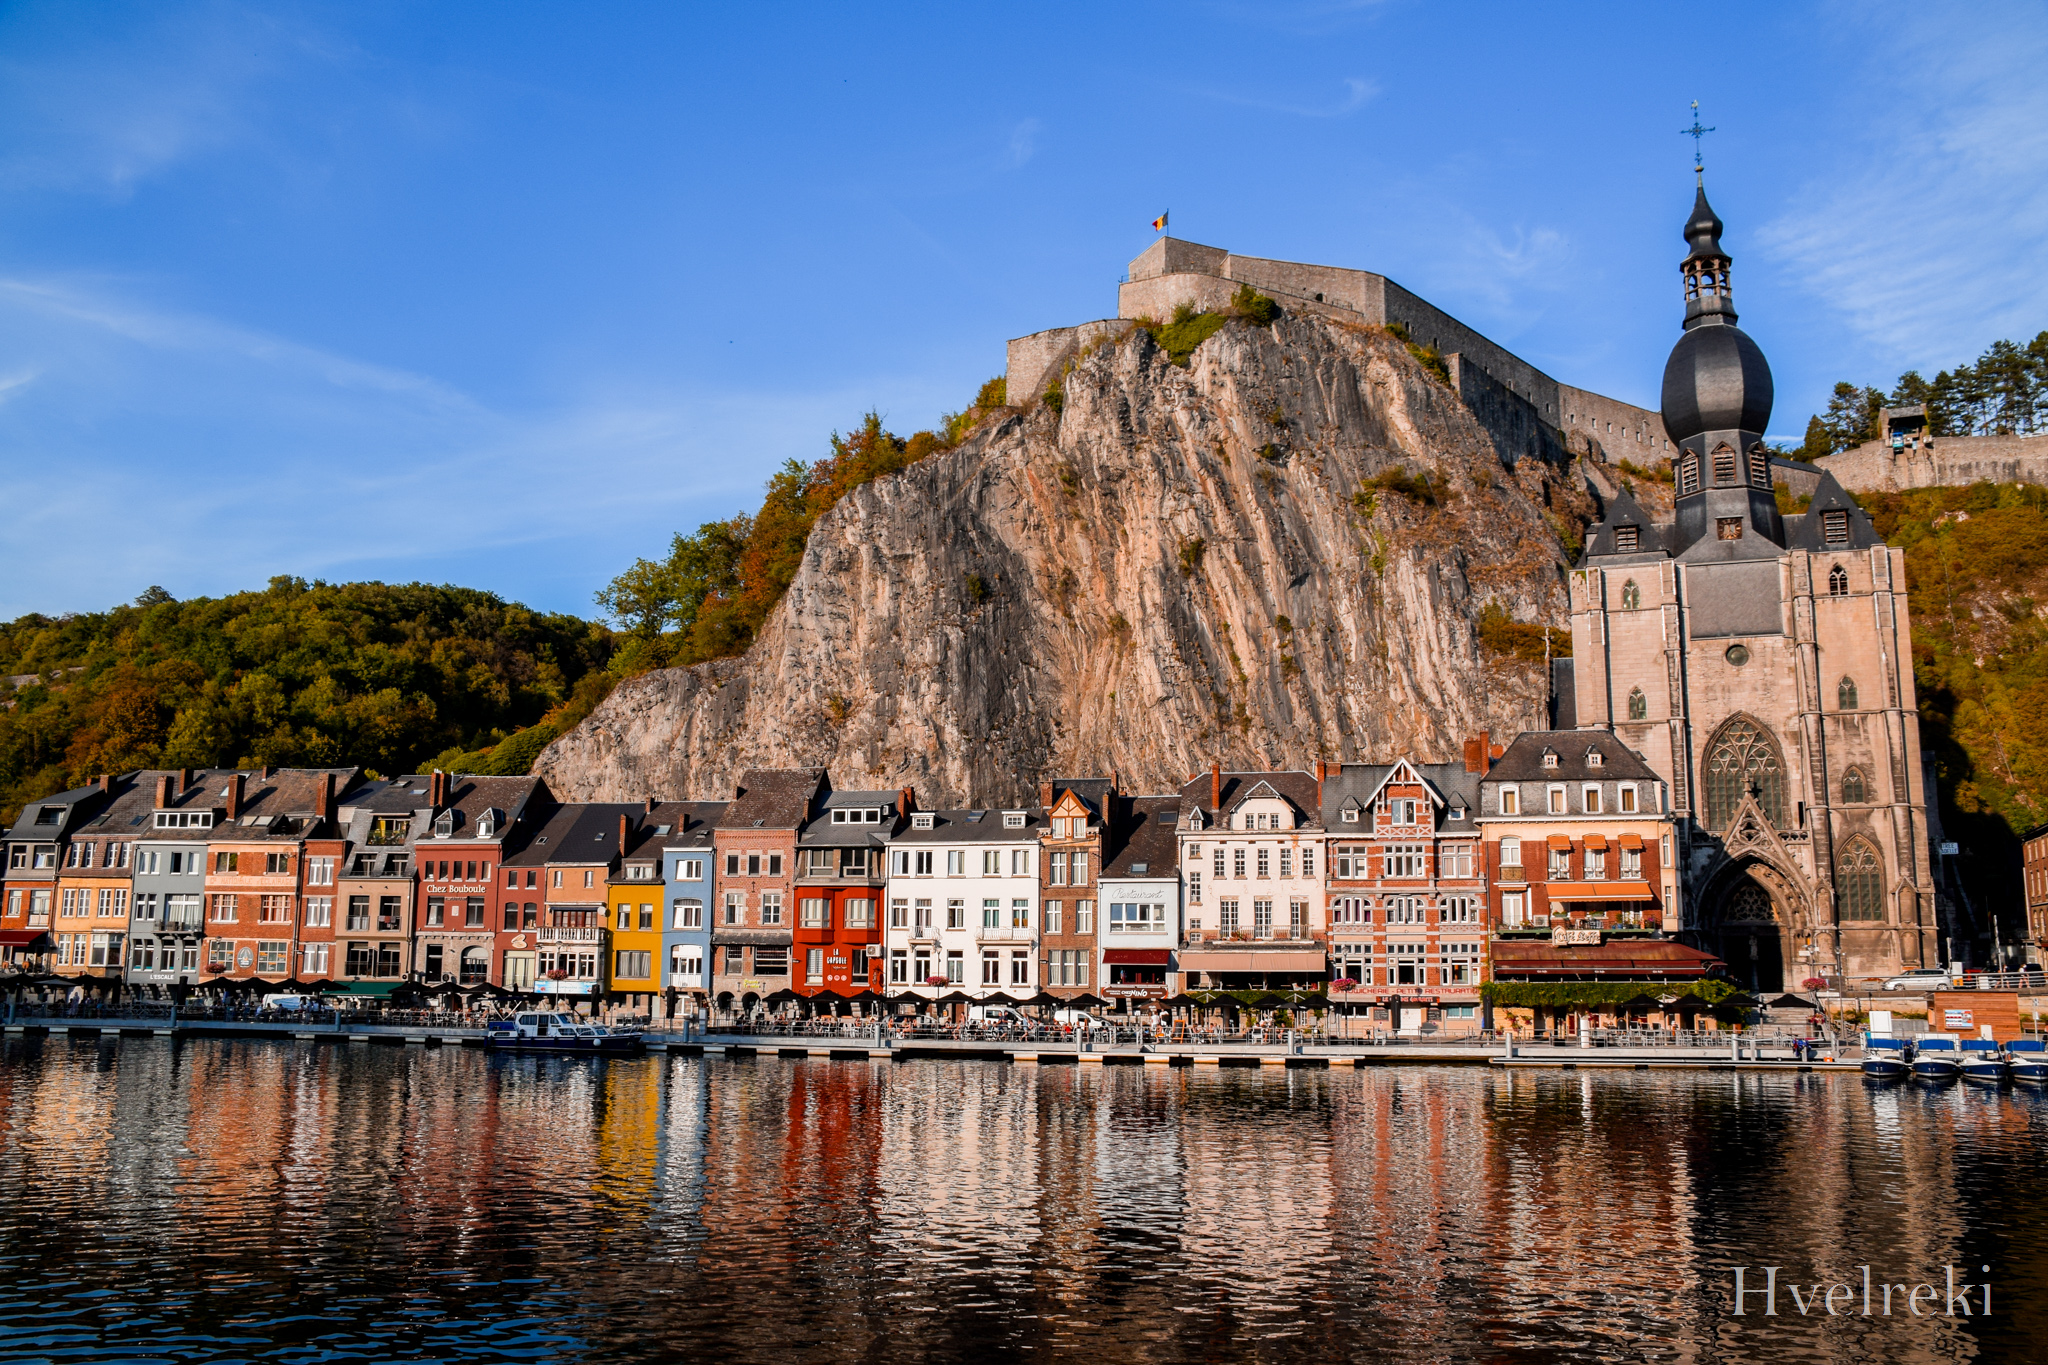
{"x":1709,"y":295}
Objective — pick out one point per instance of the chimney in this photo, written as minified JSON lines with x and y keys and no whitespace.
{"x":625,"y":827}
{"x":235,"y":795}
{"x":323,"y":797}
{"x":437,"y":790}
{"x":1045,"y":795}
{"x":163,"y":791}
{"x":1322,"y":772}
{"x":906,"y":801}
{"x":184,"y":780}
{"x":263,"y":773}
{"x":649,"y":808}
{"x":1215,"y":786}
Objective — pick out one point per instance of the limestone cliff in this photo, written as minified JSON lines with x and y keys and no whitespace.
{"x":1179,"y":565}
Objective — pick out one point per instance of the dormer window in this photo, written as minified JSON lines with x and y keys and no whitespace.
{"x":444,"y":824}
{"x":1592,"y":758}
{"x":1349,"y":815}
{"x":921,"y":820}
{"x":487,"y":824}
{"x":1550,"y":758}
{"x":1013,"y":819}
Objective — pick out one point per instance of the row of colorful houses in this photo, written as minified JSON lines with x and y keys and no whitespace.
{"x":1400,"y":886}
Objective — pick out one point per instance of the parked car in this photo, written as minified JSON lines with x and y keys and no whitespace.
{"x":1920,"y":979}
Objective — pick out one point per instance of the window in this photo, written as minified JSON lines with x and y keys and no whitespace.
{"x":1838,"y":582}
{"x":923,"y":909}
{"x":1351,"y":910}
{"x":899,"y":967}
{"x":1596,"y":864}
{"x":1859,"y":882}
{"x":1349,"y":815}
{"x":1459,"y":910}
{"x":227,"y":862}
{"x":1349,"y":862}
{"x":275,"y":864}
{"x":273,"y":956}
{"x":899,"y":913}
{"x":312,"y":959}
{"x":1560,"y":864}
{"x":687,"y":915}
{"x":1511,"y":858}
{"x":923,"y":859}
{"x":1759,"y":466}
{"x":1194,"y":888}
{"x":771,"y":907}
{"x":1020,"y":913}
{"x":1454,"y":860}
{"x":475,"y":967}
{"x":1638,"y":704}
{"x":1013,"y":819}
{"x":956,"y":968}
{"x":1020,"y":969}
{"x":1689,"y":474}
{"x":275,"y":910}
{"x":1407,"y":860}
{"x":223,"y":911}
{"x":1510,"y":801}
{"x":991,"y":969}
{"x":860,"y":914}
{"x":1627,"y":540}
{"x":1627,"y":794}
{"x":814,"y":966}
{"x":1742,"y":758}
{"x":991,"y":913}
{"x":1511,"y":909}
{"x":1407,"y":910}
{"x":1080,"y":865}
{"x":1834,"y":529}
{"x":690,"y":870}
{"x":1057,"y":876}
{"x":319,"y":871}
{"x":1724,"y":464}
{"x":1226,"y":918}
{"x":1262,"y":919}
{"x":735,"y":906}
{"x":1141,"y":917}
{"x":1297,"y":919}
{"x":991,"y":862}
{"x":634,"y":965}
{"x":1084,"y":917}
{"x":1555,"y":800}
{"x":1632,"y":863}
{"x":811,"y":913}
{"x":1845,"y":694}
{"x":1853,"y":788}
{"x":1265,"y":866}
{"x":1020,"y":862}
{"x":1590,"y":795}
{"x":145,"y":905}
{"x":771,"y":960}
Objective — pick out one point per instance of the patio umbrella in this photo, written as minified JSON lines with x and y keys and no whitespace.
{"x":1641,"y":1004}
{"x":1085,"y":1001}
{"x":1794,"y":1002}
{"x":1269,"y":1001}
{"x":955,"y":998}
{"x":864,"y":997}
{"x":1044,"y":1000}
{"x":999,"y":999}
{"x":1183,"y":1001}
{"x":781,"y":997}
{"x":1741,"y":1000}
{"x":1314,"y":1000}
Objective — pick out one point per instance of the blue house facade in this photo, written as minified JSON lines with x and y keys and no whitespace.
{"x":688,"y":871}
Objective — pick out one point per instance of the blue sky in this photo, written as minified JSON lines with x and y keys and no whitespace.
{"x":504,"y":294}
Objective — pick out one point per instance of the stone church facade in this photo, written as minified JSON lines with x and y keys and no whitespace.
{"x":1763,"y":662}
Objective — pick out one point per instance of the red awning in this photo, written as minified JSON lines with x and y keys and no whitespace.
{"x":1623,"y":959}
{"x":1601,"y":891}
{"x":1561,"y":842}
{"x":19,"y":938}
{"x":1631,"y":841}
{"x":1137,"y":957}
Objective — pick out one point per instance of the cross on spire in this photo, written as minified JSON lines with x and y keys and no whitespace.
{"x":1699,"y":165}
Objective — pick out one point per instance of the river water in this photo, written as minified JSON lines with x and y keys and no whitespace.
{"x":216,"y":1201}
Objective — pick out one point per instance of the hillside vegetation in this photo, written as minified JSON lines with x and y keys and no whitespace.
{"x":1977,"y":567}
{"x":386,"y":676}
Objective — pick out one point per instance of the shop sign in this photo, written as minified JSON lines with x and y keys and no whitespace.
{"x":1958,"y":1021}
{"x":1134,"y":992}
{"x":1574,"y":938}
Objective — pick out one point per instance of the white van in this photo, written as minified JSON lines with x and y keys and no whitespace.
{"x":291,"y":1002}
{"x":996,"y":1014}
{"x":1079,"y":1020}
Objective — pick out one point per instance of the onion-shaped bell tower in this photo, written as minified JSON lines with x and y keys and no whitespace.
{"x":1717,"y":402}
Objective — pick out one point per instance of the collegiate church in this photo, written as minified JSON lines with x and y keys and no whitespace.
{"x":1761,"y":661}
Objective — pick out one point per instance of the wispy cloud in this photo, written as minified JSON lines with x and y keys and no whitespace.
{"x":1023,"y":141}
{"x":1357,"y":93}
{"x":1928,"y":232}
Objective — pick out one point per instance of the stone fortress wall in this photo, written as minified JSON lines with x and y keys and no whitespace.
{"x":1936,"y":461}
{"x":1519,"y":400}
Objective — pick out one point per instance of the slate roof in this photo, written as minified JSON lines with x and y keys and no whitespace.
{"x":694,"y":823}
{"x":1454,"y":788}
{"x":971,"y":827}
{"x":80,"y":803}
{"x":1804,"y":531}
{"x":1522,"y":761}
{"x":1145,"y":830}
{"x":773,"y":798}
{"x":1298,"y":789}
{"x":579,"y":834}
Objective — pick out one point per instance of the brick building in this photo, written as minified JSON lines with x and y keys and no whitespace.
{"x":754,"y":845}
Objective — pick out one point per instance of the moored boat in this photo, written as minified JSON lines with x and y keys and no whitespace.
{"x":2028,"y":1058}
{"x":1887,"y":1058}
{"x":559,"y":1033}
{"x":1982,"y":1061}
{"x":1935,"y":1058}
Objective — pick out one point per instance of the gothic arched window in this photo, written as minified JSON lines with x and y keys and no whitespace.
{"x":1854,"y":789}
{"x":1845,"y":694}
{"x":1743,"y":759}
{"x":1689,"y":473}
{"x":1631,"y":596}
{"x":1838,"y":582}
{"x":1859,"y":882}
{"x":1638,"y":704}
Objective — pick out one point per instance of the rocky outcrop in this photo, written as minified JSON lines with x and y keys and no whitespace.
{"x":1182,"y":565}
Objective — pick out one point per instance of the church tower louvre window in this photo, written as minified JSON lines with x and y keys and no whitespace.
{"x":1859,"y":882}
{"x":1631,"y":595}
{"x":1834,"y":527}
{"x":1689,"y":474}
{"x":1854,"y":791}
{"x":1627,"y":539}
{"x":1759,"y":466}
{"x":1638,"y":704}
{"x":1845,"y":694}
{"x":1724,"y":465}
{"x":1742,"y":760}
{"x":1838,"y":582}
